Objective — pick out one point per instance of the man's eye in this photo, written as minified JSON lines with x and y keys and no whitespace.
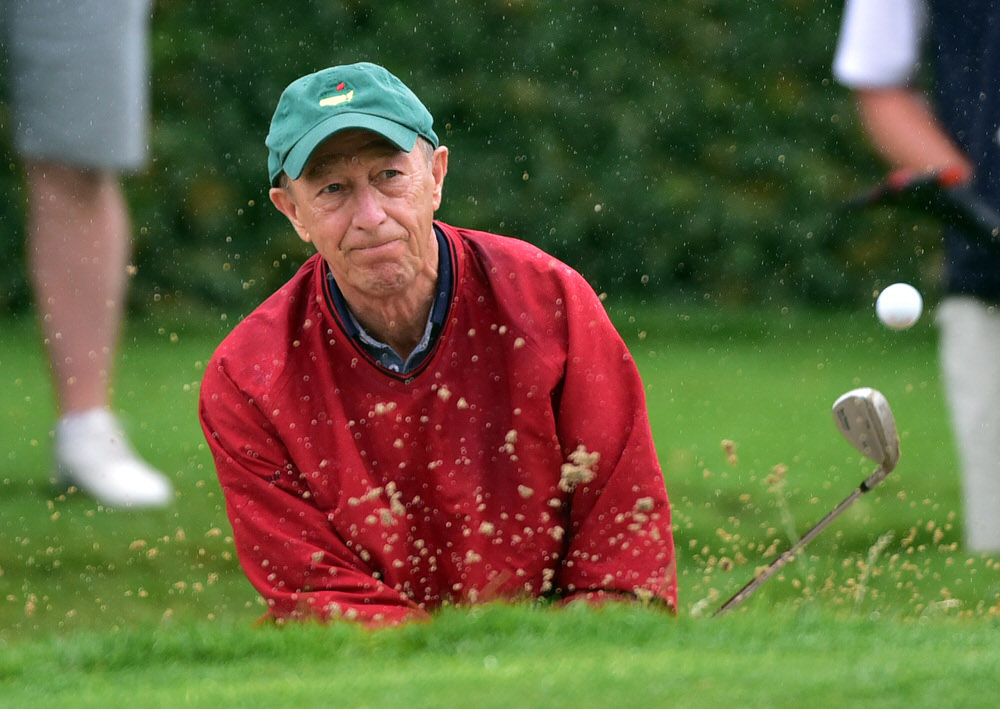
{"x":390,"y":173}
{"x":333,"y":188}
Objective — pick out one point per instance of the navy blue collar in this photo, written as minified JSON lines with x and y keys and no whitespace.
{"x":380,"y":351}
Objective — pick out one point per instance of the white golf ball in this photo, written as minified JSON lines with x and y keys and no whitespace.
{"x":899,"y":306}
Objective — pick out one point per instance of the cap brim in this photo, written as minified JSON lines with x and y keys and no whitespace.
{"x":400,"y":136}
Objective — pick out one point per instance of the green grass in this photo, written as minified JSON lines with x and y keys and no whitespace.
{"x":68,"y":563}
{"x":884,"y":609}
{"x":766,"y":382}
{"x":501,"y":656}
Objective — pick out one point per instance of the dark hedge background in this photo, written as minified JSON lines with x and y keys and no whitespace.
{"x":683,"y":149}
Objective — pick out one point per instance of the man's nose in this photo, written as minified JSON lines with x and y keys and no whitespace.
{"x":368,"y":210}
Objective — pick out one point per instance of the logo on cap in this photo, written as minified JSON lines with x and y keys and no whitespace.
{"x":338,"y":99}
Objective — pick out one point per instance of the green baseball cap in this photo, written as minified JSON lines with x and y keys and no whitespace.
{"x":362,"y":95}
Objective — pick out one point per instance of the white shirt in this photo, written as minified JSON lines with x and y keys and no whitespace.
{"x":879,"y":42}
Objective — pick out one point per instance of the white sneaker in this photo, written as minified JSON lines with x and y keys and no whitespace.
{"x":92,"y":453}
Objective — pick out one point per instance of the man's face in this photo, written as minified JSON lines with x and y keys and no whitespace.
{"x":368,"y":208}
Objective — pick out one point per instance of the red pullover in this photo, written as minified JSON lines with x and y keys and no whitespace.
{"x":515,"y":462}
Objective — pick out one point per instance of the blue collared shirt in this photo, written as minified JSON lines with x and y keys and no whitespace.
{"x":385,"y":355}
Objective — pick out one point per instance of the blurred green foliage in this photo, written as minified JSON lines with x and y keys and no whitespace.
{"x":691,"y":149}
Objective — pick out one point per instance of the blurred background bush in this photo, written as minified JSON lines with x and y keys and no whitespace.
{"x":682,"y":149}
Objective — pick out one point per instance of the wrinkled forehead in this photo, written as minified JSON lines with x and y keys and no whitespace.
{"x":349,"y":146}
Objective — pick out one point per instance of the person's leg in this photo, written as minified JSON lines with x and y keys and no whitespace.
{"x":79,"y":92}
{"x":970,"y":364}
{"x":78,"y":244}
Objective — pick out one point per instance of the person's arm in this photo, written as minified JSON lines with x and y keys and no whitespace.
{"x":286,"y":545}
{"x":620,"y":542}
{"x":904,"y":130}
{"x":878,"y":58}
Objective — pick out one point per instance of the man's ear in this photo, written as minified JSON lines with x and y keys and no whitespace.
{"x":282,"y":199}
{"x":439,"y":168}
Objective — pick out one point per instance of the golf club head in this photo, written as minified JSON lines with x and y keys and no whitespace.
{"x":865,"y":420}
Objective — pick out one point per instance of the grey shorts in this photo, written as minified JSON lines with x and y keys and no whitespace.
{"x":77,"y":79}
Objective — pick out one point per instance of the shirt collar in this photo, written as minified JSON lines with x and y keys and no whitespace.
{"x":380,"y":351}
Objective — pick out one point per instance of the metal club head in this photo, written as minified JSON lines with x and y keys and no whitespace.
{"x":865,"y":419}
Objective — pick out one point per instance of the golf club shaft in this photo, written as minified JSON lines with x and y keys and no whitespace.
{"x":939,"y":195}
{"x":974,"y":214}
{"x":890,"y":189}
{"x":745,"y":592}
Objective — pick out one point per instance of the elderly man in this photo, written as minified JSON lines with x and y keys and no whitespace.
{"x":424,"y":415}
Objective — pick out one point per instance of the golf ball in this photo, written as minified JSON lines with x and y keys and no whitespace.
{"x":899,"y":306}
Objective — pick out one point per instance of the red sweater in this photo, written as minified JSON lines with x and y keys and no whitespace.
{"x":516,"y":462}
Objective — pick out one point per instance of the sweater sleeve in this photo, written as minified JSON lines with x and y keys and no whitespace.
{"x":619,"y":541}
{"x":285,"y":543}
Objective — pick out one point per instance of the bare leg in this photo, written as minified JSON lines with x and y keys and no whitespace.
{"x":78,"y":245}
